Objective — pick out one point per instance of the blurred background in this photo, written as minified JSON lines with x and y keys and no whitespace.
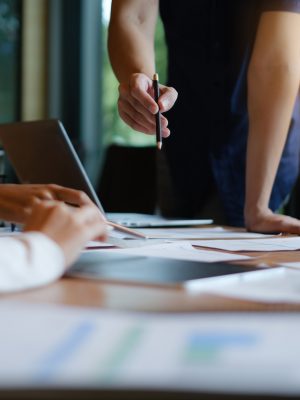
{"x":54,"y":64}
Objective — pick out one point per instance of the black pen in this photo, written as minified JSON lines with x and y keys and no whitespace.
{"x":157,"y":115}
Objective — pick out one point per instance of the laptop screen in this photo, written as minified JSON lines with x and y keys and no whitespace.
{"x":41,"y":152}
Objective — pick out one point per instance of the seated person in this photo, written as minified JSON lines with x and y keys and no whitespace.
{"x":54,"y":233}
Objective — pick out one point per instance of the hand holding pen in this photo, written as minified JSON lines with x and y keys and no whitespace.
{"x":137,"y":106}
{"x":157,"y":115}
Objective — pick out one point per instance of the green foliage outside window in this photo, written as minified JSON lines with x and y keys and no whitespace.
{"x":115,"y":130}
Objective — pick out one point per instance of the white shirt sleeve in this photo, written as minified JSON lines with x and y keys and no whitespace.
{"x":29,"y":260}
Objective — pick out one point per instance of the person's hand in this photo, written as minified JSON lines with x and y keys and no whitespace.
{"x":137,"y":106}
{"x":70,"y":227}
{"x":16,"y":200}
{"x":265,"y":221}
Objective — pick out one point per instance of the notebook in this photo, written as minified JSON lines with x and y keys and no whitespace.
{"x":41,"y":152}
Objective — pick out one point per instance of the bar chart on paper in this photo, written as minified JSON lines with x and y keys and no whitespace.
{"x":44,"y":346}
{"x":211,"y":346}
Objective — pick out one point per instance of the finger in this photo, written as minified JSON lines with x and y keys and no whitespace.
{"x":136,"y":100}
{"x":97,"y":231}
{"x":126,"y":100}
{"x":37,"y":213}
{"x":276,"y":223}
{"x":147,"y":121}
{"x":148,"y":118}
{"x":165,"y":131}
{"x":44,"y":194}
{"x":287,"y":225}
{"x":87,"y":214}
{"x":71,"y":196}
{"x":133,"y":124}
{"x":139,"y":90}
{"x":47,"y":206}
{"x":167,"y":98}
{"x":137,"y":106}
{"x":92,"y":222}
{"x":140,"y":127}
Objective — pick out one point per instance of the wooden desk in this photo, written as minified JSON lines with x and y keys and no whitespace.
{"x":88,"y":293}
{"x":118,"y":296}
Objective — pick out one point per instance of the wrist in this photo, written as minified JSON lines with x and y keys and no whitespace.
{"x":254,"y":214}
{"x":131,"y":76}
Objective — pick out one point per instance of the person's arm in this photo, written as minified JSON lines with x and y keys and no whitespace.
{"x":53,"y":238}
{"x":29,"y":261}
{"x":131,"y":51}
{"x":16,"y":200}
{"x":273,"y":83}
{"x":131,"y":37}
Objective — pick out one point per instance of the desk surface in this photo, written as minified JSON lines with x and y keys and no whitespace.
{"x":107,"y":295}
{"x":118,"y":296}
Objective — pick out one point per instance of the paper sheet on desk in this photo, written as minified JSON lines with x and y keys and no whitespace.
{"x":96,"y":244}
{"x":53,"y":346}
{"x":271,"y":244}
{"x":181,"y":251}
{"x":216,"y":232}
{"x":275,"y":285}
{"x":293,"y":265}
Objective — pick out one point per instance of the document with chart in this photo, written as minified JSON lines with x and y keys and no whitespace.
{"x":54,"y":346}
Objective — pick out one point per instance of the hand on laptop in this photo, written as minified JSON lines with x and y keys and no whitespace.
{"x":16,"y":200}
{"x":70,"y":228}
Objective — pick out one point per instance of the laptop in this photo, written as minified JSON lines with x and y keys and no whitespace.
{"x":41,"y":152}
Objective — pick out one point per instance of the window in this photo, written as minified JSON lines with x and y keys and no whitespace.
{"x":10,"y":11}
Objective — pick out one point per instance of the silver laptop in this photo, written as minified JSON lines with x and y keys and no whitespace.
{"x":41,"y":152}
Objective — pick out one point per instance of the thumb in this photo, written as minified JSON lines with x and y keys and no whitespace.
{"x":167,"y":99}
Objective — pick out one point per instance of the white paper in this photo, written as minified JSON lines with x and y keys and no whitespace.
{"x":200,"y":233}
{"x":96,"y":244}
{"x":275,"y":285}
{"x":181,"y":251}
{"x":294,"y":265}
{"x":52,"y":346}
{"x":271,"y":244}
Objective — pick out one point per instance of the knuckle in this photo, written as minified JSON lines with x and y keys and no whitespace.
{"x":134,"y":78}
{"x":53,"y":186}
{"x":60,"y":210}
{"x":32,"y":201}
{"x":173,"y":93}
{"x":123,"y":89}
{"x":83,"y":196}
{"x":135,"y":88}
{"x":44,"y":193}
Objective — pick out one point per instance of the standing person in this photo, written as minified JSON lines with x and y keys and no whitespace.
{"x":236,"y":66}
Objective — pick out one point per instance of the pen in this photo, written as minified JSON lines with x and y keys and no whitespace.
{"x":157,"y":115}
{"x":124,"y":229}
